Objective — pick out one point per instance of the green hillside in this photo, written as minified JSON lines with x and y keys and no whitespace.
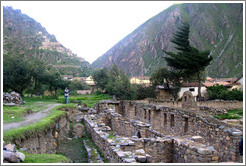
{"x":22,"y":35}
{"x":216,"y":27}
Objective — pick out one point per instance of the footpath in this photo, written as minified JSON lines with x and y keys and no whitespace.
{"x":30,"y":119}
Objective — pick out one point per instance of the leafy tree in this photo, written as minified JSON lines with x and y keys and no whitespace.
{"x":168,"y":79}
{"x":188,"y":61}
{"x":77,"y":85}
{"x":143,"y":92}
{"x":16,"y":73}
{"x":55,"y":82}
{"x":114,"y":82}
{"x":119,"y":85}
{"x":38,"y":74}
{"x":100,"y":78}
{"x":221,"y":92}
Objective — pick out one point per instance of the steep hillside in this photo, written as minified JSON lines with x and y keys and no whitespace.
{"x":216,"y":27}
{"x":23,"y":35}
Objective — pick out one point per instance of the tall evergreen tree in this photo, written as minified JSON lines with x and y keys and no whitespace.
{"x":188,"y":61}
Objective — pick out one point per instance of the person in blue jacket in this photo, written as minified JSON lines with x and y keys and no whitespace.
{"x":66,"y":95}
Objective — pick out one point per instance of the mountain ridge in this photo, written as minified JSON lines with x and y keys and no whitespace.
{"x":216,"y":27}
{"x":24,"y":35}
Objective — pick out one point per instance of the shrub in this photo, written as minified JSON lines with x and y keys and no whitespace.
{"x":220,"y":92}
{"x":145,"y":92}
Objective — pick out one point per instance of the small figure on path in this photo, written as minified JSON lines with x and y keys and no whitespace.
{"x":66,"y":95}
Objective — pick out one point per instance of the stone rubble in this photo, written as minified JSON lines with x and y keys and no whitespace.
{"x":11,"y":155}
{"x":12,"y":99}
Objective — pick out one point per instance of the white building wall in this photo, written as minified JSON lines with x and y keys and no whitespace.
{"x":194,"y":93}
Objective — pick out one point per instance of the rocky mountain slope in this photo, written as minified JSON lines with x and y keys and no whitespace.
{"x":215,"y":27}
{"x":23,"y":35}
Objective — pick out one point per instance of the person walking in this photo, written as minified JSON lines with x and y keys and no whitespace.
{"x":66,"y":95}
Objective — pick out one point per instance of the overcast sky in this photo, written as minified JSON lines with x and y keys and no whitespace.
{"x":90,"y":28}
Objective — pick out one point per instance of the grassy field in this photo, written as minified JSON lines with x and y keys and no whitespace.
{"x":35,"y":104}
{"x":45,"y":158}
{"x":90,"y":100}
{"x":231,"y":114}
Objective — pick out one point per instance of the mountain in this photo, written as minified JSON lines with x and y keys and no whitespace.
{"x":23,"y":35}
{"x":217,"y":27}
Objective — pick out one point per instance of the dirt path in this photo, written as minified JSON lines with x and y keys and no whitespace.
{"x":29,"y":119}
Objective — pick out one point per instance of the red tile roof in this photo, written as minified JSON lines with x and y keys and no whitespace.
{"x":190,"y":84}
{"x":208,"y":84}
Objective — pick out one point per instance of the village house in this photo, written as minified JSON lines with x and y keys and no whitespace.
{"x":80,"y":79}
{"x":193,"y":88}
{"x":67,"y":77}
{"x":143,"y":80}
{"x":89,"y":81}
{"x":229,"y":83}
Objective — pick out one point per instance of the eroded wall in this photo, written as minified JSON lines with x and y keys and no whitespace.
{"x":184,"y":122}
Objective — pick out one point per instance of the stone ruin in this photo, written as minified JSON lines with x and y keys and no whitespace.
{"x":122,"y":129}
{"x":188,"y":101}
{"x":11,"y":155}
{"x":136,"y":132}
{"x":12,"y":99}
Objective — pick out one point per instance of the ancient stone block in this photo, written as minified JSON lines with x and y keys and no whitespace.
{"x":20,"y":155}
{"x":215,"y":158}
{"x":10,"y":156}
{"x":10,"y":147}
{"x":188,"y":100}
{"x":78,"y":130}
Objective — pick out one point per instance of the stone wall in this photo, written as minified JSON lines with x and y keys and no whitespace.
{"x":211,"y":103}
{"x":184,"y":122}
{"x":99,"y":135}
{"x":125,"y":149}
{"x":45,"y":141}
{"x":188,"y":151}
{"x":163,"y":148}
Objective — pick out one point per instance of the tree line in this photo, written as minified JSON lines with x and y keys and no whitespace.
{"x":30,"y":75}
{"x":114,"y":82}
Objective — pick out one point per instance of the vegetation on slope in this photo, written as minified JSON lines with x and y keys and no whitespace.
{"x":215,"y":27}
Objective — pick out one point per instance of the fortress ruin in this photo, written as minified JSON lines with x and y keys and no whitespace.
{"x":149,"y":131}
{"x":133,"y":131}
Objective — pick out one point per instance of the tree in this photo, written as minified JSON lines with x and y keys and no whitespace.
{"x":16,"y":73}
{"x":55,"y":82}
{"x":119,"y":85}
{"x":101,"y":78}
{"x":221,"y":92}
{"x":169,"y":79}
{"x":189,"y":62}
{"x":114,"y":82}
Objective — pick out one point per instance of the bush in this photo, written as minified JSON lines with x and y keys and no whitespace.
{"x":234,"y":94}
{"x":220,"y":92}
{"x":76,"y":85}
{"x":145,"y":92}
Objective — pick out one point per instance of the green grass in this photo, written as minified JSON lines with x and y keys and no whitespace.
{"x":42,"y":125}
{"x":45,"y":158}
{"x":36,"y":104}
{"x":90,"y":100}
{"x":15,"y":113}
{"x":231,"y":114}
{"x":74,"y":150}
